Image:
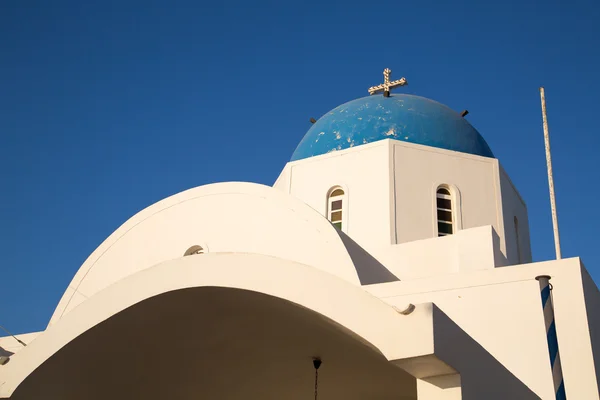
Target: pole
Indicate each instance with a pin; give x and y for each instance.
(14, 337)
(548, 307)
(550, 177)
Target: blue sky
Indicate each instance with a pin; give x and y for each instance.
(107, 107)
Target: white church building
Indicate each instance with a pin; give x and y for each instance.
(390, 260)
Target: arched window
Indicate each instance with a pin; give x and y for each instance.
(516, 221)
(195, 249)
(445, 219)
(335, 207)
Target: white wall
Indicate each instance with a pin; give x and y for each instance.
(391, 199)
(364, 174)
(9, 346)
(228, 217)
(391, 187)
(419, 170)
(508, 326)
(447, 387)
(501, 310)
(514, 206)
(467, 250)
(344, 307)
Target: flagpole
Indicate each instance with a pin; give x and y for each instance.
(550, 177)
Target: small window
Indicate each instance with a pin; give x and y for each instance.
(445, 217)
(337, 192)
(194, 250)
(335, 207)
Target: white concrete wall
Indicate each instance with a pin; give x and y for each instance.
(481, 375)
(426, 334)
(228, 217)
(467, 250)
(501, 309)
(391, 187)
(349, 308)
(514, 206)
(363, 173)
(9, 345)
(509, 327)
(447, 387)
(419, 170)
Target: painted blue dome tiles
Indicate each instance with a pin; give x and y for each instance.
(404, 117)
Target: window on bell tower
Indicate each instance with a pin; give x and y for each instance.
(517, 239)
(335, 206)
(445, 217)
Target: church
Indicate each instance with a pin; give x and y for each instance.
(391, 260)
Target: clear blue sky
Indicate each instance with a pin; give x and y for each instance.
(106, 108)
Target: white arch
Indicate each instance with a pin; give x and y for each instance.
(225, 217)
(343, 303)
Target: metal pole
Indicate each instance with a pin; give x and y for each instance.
(550, 178)
(548, 307)
(14, 337)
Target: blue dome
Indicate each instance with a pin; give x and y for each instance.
(404, 117)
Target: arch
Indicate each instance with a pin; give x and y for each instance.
(225, 332)
(347, 306)
(233, 217)
(337, 208)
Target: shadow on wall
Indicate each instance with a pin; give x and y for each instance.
(500, 259)
(481, 375)
(445, 381)
(592, 304)
(5, 353)
(369, 270)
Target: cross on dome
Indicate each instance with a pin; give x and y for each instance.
(387, 85)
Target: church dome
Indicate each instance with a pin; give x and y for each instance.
(404, 117)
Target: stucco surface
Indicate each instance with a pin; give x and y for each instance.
(226, 217)
(340, 321)
(390, 199)
(215, 343)
(501, 310)
(349, 308)
(514, 206)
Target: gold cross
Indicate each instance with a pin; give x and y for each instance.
(387, 85)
